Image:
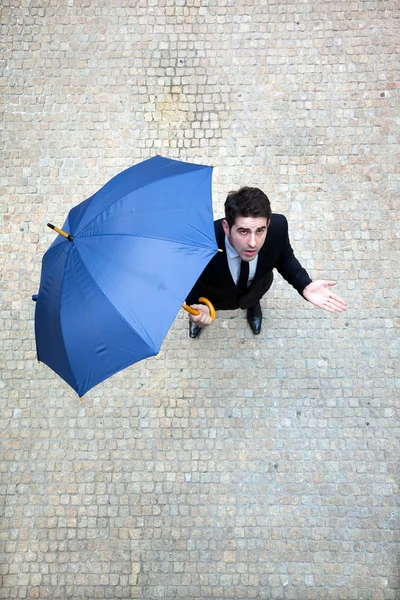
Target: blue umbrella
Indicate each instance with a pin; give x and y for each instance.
(115, 277)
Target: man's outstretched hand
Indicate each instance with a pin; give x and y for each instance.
(319, 294)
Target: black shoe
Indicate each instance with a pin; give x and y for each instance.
(254, 318)
(194, 330)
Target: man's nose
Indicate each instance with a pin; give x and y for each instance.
(252, 240)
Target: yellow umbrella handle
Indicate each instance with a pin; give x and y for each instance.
(202, 300)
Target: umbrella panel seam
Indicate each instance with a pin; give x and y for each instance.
(149, 237)
(61, 323)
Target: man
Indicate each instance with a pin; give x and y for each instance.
(255, 242)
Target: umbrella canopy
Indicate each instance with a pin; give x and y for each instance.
(109, 293)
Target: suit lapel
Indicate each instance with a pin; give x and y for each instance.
(223, 267)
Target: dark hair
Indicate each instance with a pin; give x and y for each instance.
(246, 202)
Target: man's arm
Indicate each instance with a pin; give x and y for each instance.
(317, 292)
(288, 265)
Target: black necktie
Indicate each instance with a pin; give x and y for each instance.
(243, 276)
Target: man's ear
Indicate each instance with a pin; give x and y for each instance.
(268, 222)
(225, 227)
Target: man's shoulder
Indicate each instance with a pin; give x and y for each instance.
(277, 233)
(278, 219)
(219, 231)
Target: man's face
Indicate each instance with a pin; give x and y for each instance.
(247, 235)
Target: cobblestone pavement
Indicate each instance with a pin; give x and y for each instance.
(233, 466)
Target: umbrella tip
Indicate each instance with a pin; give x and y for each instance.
(61, 232)
(80, 398)
(220, 250)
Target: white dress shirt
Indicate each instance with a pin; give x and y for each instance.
(234, 263)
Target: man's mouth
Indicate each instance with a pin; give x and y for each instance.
(250, 252)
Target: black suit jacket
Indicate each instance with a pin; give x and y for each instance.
(216, 283)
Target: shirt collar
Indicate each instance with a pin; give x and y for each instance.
(230, 249)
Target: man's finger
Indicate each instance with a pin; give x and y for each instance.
(202, 308)
(340, 300)
(335, 306)
(328, 308)
(329, 282)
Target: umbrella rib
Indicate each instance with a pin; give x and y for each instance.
(114, 307)
(141, 188)
(150, 237)
(61, 324)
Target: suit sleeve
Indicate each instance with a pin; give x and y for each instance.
(289, 267)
